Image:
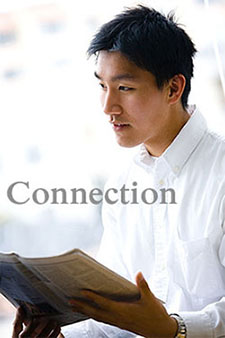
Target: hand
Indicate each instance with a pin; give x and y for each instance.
(36, 328)
(146, 317)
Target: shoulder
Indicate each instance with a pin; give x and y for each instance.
(215, 138)
(209, 157)
(214, 145)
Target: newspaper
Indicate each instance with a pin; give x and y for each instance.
(43, 286)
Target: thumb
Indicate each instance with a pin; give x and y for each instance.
(144, 288)
(142, 285)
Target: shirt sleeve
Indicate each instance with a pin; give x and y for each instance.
(210, 322)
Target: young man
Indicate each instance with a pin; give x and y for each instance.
(144, 68)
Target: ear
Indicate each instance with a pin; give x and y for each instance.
(176, 88)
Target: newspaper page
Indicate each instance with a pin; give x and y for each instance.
(43, 286)
(23, 288)
(73, 271)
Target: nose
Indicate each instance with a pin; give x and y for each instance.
(110, 103)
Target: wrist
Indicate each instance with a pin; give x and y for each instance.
(166, 328)
(173, 327)
(181, 327)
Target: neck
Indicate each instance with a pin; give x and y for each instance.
(175, 122)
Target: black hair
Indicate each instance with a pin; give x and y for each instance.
(152, 41)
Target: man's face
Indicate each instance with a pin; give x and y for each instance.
(138, 109)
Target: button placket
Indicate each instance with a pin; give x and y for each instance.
(160, 273)
(159, 213)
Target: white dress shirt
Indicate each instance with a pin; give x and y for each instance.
(179, 247)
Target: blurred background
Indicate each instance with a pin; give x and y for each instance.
(53, 133)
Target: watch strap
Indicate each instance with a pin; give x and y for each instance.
(182, 330)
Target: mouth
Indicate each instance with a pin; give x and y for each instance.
(119, 126)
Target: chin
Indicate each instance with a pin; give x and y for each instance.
(127, 143)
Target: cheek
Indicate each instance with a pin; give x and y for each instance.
(151, 109)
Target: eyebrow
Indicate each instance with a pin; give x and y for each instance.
(125, 76)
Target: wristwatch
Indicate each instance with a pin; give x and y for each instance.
(182, 330)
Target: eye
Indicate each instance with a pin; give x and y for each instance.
(102, 86)
(125, 89)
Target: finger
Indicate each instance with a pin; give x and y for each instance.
(18, 323)
(96, 298)
(46, 328)
(60, 335)
(27, 331)
(33, 329)
(109, 314)
(55, 333)
(103, 301)
(88, 309)
(84, 300)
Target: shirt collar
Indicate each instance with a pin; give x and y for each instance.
(182, 146)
